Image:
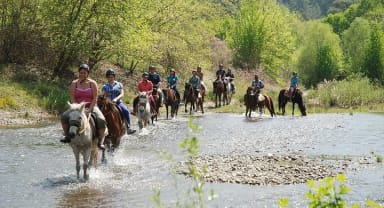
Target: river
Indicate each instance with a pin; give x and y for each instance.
(36, 170)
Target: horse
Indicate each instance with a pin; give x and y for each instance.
(263, 101)
(116, 123)
(144, 110)
(297, 97)
(84, 139)
(200, 99)
(170, 100)
(219, 91)
(189, 97)
(155, 106)
(227, 92)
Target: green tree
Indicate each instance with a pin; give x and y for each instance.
(20, 32)
(261, 36)
(374, 61)
(355, 42)
(320, 56)
(82, 30)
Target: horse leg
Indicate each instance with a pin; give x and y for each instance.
(77, 158)
(86, 158)
(185, 106)
(293, 108)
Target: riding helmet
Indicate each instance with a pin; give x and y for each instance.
(152, 67)
(110, 72)
(172, 70)
(145, 74)
(84, 66)
(294, 73)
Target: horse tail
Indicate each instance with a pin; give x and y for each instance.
(281, 99)
(272, 106)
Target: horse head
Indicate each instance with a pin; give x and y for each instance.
(143, 101)
(77, 119)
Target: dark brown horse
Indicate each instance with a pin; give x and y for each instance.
(189, 97)
(170, 100)
(116, 123)
(263, 101)
(219, 91)
(297, 97)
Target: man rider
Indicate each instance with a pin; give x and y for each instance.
(230, 76)
(257, 85)
(155, 78)
(220, 74)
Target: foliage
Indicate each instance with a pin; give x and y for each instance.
(355, 42)
(195, 195)
(261, 36)
(320, 56)
(373, 66)
(352, 92)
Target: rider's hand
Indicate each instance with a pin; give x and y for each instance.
(114, 100)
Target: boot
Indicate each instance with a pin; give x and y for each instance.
(65, 139)
(101, 146)
(130, 131)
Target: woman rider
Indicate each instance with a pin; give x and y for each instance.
(85, 90)
(172, 79)
(114, 90)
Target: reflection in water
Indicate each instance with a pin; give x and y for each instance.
(83, 197)
(36, 170)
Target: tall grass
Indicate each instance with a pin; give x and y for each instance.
(349, 93)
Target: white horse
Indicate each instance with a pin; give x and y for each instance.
(228, 91)
(144, 110)
(84, 140)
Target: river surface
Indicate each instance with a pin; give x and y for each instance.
(36, 170)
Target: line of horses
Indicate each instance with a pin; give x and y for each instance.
(84, 128)
(254, 102)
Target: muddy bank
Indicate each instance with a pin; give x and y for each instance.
(30, 118)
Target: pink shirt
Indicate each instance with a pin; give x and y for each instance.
(83, 95)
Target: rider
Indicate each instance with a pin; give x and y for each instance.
(195, 82)
(200, 74)
(172, 79)
(144, 86)
(230, 76)
(115, 91)
(85, 89)
(257, 85)
(293, 85)
(220, 74)
(155, 78)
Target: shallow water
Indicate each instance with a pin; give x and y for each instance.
(36, 170)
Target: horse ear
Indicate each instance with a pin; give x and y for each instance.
(82, 107)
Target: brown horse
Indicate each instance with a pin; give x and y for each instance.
(155, 106)
(297, 97)
(263, 101)
(219, 91)
(200, 99)
(116, 123)
(189, 97)
(170, 100)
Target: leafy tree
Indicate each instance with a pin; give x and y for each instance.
(20, 32)
(82, 30)
(374, 61)
(261, 36)
(355, 42)
(320, 56)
